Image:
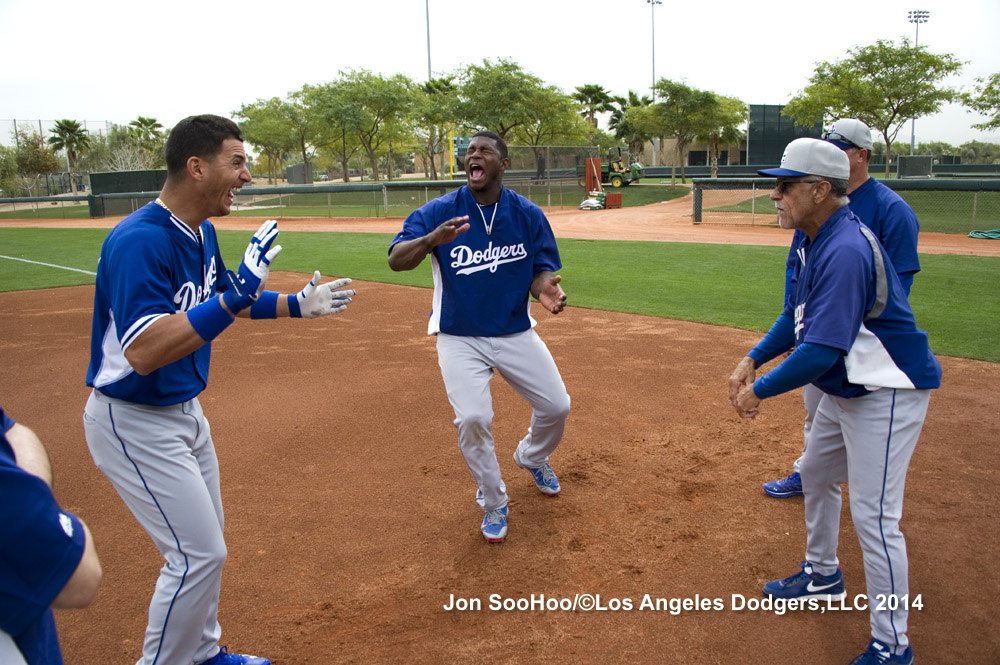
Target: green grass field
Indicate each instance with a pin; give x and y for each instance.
(938, 211)
(955, 298)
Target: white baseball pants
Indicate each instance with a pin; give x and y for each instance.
(162, 462)
(523, 360)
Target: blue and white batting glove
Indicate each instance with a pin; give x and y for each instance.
(312, 301)
(247, 285)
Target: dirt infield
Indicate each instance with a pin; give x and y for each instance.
(351, 521)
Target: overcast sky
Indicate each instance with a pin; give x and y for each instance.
(113, 60)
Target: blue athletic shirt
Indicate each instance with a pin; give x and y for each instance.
(40, 548)
(835, 287)
(893, 222)
(482, 281)
(152, 265)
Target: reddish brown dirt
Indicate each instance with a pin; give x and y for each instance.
(350, 516)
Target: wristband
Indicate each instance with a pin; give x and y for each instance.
(294, 310)
(266, 306)
(209, 319)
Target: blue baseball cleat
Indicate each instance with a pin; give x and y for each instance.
(807, 584)
(786, 487)
(879, 654)
(544, 476)
(226, 658)
(494, 526)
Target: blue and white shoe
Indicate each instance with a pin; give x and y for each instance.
(226, 658)
(494, 526)
(879, 654)
(786, 487)
(807, 584)
(545, 478)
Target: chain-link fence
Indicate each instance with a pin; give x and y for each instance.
(942, 205)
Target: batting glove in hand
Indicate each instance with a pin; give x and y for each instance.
(246, 286)
(319, 301)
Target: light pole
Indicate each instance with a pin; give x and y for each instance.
(427, 8)
(652, 26)
(916, 16)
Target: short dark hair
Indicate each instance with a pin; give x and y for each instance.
(501, 145)
(198, 136)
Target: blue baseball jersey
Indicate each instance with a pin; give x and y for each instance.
(892, 221)
(152, 265)
(835, 287)
(39, 552)
(482, 278)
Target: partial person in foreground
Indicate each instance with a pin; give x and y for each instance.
(47, 555)
(855, 338)
(491, 251)
(162, 295)
(892, 221)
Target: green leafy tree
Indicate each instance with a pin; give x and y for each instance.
(883, 85)
(333, 109)
(119, 149)
(980, 152)
(986, 101)
(594, 99)
(555, 123)
(936, 148)
(680, 112)
(435, 111)
(34, 157)
(497, 96)
(624, 129)
(71, 136)
(265, 125)
(9, 184)
(372, 108)
(720, 125)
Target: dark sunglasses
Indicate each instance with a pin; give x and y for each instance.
(783, 185)
(837, 136)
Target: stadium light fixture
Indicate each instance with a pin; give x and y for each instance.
(916, 16)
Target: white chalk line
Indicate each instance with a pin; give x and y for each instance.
(50, 265)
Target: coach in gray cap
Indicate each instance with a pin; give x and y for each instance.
(854, 337)
(892, 221)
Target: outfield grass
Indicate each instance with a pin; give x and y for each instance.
(955, 298)
(937, 211)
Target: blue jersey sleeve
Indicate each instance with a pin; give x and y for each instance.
(806, 364)
(141, 290)
(40, 549)
(780, 338)
(546, 251)
(838, 298)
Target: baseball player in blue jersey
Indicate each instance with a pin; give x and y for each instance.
(892, 221)
(491, 250)
(854, 338)
(162, 295)
(47, 556)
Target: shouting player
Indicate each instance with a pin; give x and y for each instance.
(491, 249)
(854, 338)
(162, 295)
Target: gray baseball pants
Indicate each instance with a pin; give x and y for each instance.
(866, 442)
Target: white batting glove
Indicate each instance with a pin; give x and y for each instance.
(316, 301)
(246, 285)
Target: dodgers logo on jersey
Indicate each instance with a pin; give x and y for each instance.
(485, 259)
(190, 295)
(800, 312)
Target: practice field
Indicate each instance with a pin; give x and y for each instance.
(351, 521)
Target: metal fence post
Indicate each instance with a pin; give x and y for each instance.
(696, 202)
(975, 205)
(753, 203)
(385, 200)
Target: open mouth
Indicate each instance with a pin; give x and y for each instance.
(476, 171)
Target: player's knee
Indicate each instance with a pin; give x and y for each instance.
(475, 422)
(557, 409)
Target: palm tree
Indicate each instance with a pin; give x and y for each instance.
(624, 129)
(73, 137)
(148, 131)
(594, 99)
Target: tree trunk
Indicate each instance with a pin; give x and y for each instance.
(714, 151)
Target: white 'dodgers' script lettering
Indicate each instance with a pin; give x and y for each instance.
(485, 259)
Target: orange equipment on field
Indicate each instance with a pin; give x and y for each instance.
(592, 167)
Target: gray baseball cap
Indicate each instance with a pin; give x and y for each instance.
(807, 156)
(849, 133)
